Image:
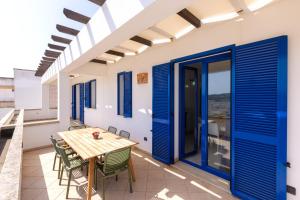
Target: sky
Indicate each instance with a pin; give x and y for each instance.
(27, 26)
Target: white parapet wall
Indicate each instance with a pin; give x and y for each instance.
(28, 90)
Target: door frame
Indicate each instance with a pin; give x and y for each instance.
(208, 56)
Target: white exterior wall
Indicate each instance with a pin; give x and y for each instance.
(278, 19)
(28, 90)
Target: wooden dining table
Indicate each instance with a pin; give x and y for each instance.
(88, 148)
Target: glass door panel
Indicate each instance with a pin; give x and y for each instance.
(192, 115)
(218, 112)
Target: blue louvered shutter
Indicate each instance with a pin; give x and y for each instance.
(74, 102)
(81, 116)
(259, 135)
(87, 91)
(128, 94)
(162, 117)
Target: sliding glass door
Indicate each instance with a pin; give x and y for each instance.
(205, 93)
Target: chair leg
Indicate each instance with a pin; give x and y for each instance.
(59, 167)
(61, 175)
(54, 162)
(130, 180)
(103, 189)
(68, 187)
(117, 178)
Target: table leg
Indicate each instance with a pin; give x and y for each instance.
(130, 165)
(90, 177)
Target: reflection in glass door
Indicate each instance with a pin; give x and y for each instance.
(192, 136)
(218, 122)
(205, 117)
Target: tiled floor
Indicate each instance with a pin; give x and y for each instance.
(154, 181)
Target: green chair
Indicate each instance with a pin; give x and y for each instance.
(124, 134)
(68, 150)
(69, 164)
(114, 163)
(112, 129)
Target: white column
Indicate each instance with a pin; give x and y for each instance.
(63, 103)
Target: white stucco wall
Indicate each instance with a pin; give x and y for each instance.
(28, 89)
(278, 19)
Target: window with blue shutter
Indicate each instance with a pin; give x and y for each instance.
(87, 94)
(90, 94)
(259, 120)
(74, 102)
(163, 109)
(81, 103)
(125, 94)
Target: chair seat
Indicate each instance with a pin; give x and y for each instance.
(111, 172)
(77, 162)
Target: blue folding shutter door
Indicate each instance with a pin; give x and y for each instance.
(87, 94)
(74, 102)
(81, 85)
(162, 117)
(259, 135)
(128, 94)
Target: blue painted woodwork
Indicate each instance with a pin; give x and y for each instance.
(73, 102)
(81, 102)
(259, 111)
(87, 94)
(163, 113)
(128, 94)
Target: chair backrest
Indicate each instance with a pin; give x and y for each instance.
(54, 143)
(124, 134)
(116, 160)
(76, 127)
(112, 129)
(63, 155)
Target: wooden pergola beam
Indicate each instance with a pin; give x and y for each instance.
(60, 39)
(189, 17)
(67, 30)
(48, 59)
(99, 61)
(46, 62)
(141, 40)
(76, 16)
(115, 53)
(52, 54)
(98, 2)
(56, 47)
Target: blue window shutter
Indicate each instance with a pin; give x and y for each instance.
(81, 86)
(74, 102)
(87, 94)
(163, 109)
(259, 135)
(128, 94)
(118, 93)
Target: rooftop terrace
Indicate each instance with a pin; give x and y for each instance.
(154, 181)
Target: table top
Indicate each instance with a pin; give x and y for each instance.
(83, 143)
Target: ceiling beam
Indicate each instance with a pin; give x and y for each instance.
(98, 2)
(60, 39)
(76, 16)
(53, 54)
(46, 63)
(99, 61)
(56, 47)
(67, 30)
(189, 17)
(141, 40)
(48, 59)
(115, 53)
